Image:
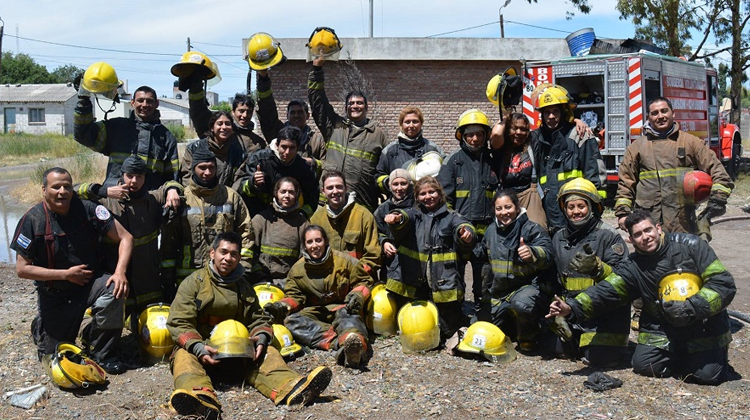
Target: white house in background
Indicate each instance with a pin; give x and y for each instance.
(37, 109)
(175, 111)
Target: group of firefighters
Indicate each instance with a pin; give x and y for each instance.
(327, 235)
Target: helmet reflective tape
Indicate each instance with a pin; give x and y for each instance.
(679, 286)
(263, 51)
(489, 341)
(381, 311)
(231, 339)
(284, 342)
(194, 60)
(154, 339)
(268, 293)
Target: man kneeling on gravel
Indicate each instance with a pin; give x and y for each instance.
(213, 294)
(684, 326)
(57, 245)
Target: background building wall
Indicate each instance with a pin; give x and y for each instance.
(441, 89)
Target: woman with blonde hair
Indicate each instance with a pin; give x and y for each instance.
(430, 240)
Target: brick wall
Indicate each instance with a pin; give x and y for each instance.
(442, 90)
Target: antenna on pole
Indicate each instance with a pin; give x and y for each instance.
(371, 18)
(502, 22)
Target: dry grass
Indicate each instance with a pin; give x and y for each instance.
(83, 168)
(21, 148)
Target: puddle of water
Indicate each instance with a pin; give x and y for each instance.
(9, 217)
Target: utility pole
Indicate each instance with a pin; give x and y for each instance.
(2, 26)
(188, 44)
(371, 17)
(502, 25)
(502, 22)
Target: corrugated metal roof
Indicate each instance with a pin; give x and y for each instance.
(54, 93)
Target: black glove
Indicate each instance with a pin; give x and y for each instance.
(714, 208)
(679, 313)
(354, 302)
(277, 310)
(77, 81)
(587, 262)
(192, 82)
(600, 382)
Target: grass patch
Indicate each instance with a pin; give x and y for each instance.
(21, 148)
(741, 193)
(82, 167)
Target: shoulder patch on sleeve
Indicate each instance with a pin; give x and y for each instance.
(618, 249)
(23, 241)
(102, 213)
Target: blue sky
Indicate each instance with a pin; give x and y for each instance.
(156, 32)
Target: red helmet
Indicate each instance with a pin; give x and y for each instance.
(697, 186)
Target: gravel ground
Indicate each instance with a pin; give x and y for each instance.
(395, 385)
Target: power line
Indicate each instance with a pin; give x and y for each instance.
(214, 45)
(93, 48)
(534, 26)
(464, 29)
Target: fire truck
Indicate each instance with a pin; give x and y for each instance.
(612, 92)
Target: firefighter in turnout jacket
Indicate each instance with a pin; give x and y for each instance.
(278, 233)
(652, 172)
(684, 326)
(210, 208)
(350, 227)
(586, 251)
(325, 293)
(561, 153)
(431, 240)
(353, 143)
(217, 303)
(141, 213)
(469, 183)
(312, 146)
(515, 276)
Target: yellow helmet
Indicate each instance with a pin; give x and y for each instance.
(505, 89)
(549, 94)
(154, 339)
(284, 341)
(489, 341)
(419, 326)
(381, 311)
(231, 339)
(268, 293)
(263, 52)
(194, 60)
(582, 187)
(323, 42)
(679, 286)
(472, 116)
(71, 368)
(100, 78)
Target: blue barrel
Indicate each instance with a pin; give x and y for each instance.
(580, 41)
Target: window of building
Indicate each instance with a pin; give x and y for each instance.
(36, 115)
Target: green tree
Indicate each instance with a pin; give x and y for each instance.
(66, 73)
(731, 26)
(222, 106)
(21, 68)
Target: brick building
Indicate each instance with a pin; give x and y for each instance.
(442, 76)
